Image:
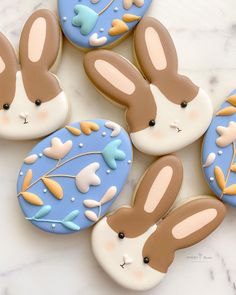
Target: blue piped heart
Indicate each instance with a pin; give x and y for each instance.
(111, 153)
(86, 19)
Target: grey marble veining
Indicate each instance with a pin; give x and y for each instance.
(33, 262)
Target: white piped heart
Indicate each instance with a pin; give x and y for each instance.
(94, 40)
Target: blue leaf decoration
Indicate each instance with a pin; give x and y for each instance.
(71, 225)
(71, 216)
(43, 212)
(111, 153)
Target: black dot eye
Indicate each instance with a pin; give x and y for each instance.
(184, 104)
(152, 123)
(146, 260)
(121, 235)
(38, 102)
(6, 106)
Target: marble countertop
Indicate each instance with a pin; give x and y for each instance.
(33, 262)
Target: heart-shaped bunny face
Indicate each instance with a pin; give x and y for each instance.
(29, 92)
(164, 109)
(136, 245)
(94, 24)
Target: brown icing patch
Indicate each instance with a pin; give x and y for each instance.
(128, 88)
(184, 227)
(38, 81)
(136, 220)
(8, 69)
(160, 66)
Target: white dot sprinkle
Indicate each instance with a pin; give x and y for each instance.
(72, 199)
(40, 155)
(45, 190)
(212, 179)
(102, 30)
(116, 9)
(220, 153)
(129, 162)
(64, 19)
(21, 173)
(81, 145)
(104, 134)
(53, 225)
(108, 171)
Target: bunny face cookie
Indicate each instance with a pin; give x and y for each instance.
(165, 110)
(134, 246)
(29, 92)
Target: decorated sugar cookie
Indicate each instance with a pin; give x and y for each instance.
(219, 152)
(134, 246)
(92, 24)
(29, 91)
(166, 111)
(71, 178)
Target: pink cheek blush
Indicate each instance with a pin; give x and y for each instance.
(158, 134)
(110, 245)
(42, 115)
(138, 275)
(194, 115)
(5, 120)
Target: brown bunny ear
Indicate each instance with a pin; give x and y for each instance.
(184, 227)
(40, 46)
(157, 58)
(8, 69)
(155, 195)
(121, 82)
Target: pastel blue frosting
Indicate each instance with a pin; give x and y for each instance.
(115, 159)
(73, 12)
(223, 155)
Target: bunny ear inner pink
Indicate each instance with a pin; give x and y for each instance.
(40, 46)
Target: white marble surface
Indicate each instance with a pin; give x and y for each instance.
(33, 262)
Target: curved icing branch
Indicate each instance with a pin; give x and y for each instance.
(229, 170)
(106, 7)
(57, 167)
(43, 220)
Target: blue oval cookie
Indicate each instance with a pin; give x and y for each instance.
(96, 23)
(71, 178)
(219, 152)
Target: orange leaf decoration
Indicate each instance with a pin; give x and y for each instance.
(27, 180)
(233, 168)
(128, 18)
(232, 100)
(220, 178)
(227, 111)
(88, 127)
(73, 130)
(231, 190)
(54, 187)
(32, 199)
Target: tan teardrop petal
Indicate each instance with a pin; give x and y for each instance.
(32, 199)
(27, 180)
(227, 111)
(232, 100)
(220, 178)
(231, 190)
(31, 159)
(128, 18)
(73, 130)
(54, 187)
(91, 215)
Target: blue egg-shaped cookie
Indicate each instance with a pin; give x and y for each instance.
(70, 179)
(99, 23)
(219, 152)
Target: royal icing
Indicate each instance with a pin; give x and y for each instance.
(219, 154)
(164, 91)
(134, 246)
(29, 91)
(63, 185)
(94, 24)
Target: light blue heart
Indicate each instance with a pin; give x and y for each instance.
(86, 19)
(111, 154)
